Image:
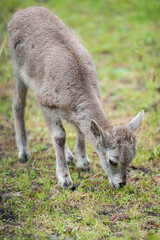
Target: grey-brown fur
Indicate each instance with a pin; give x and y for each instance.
(50, 59)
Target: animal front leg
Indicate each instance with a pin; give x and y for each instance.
(58, 136)
(81, 153)
(62, 170)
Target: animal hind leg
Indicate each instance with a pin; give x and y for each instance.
(19, 112)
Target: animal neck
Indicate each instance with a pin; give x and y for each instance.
(91, 111)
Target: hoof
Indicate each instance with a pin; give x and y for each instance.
(73, 188)
(23, 158)
(68, 185)
(65, 180)
(69, 160)
(84, 166)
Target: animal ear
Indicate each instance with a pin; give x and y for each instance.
(134, 124)
(97, 131)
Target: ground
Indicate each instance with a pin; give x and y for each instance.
(123, 38)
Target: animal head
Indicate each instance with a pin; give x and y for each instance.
(116, 149)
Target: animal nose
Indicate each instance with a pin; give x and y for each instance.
(122, 184)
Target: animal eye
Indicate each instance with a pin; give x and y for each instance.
(112, 163)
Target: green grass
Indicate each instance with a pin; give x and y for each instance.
(123, 38)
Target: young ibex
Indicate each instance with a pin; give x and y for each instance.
(49, 59)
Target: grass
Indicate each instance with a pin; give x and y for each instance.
(123, 38)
